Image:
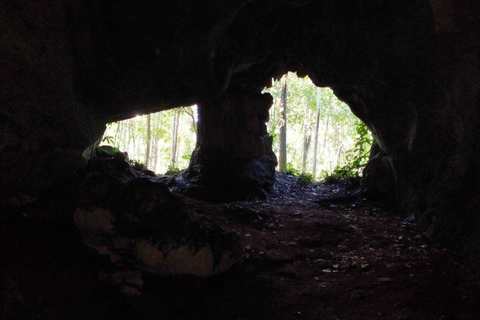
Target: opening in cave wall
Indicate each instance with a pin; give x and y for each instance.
(343, 142)
(164, 148)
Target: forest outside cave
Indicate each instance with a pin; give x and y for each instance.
(164, 141)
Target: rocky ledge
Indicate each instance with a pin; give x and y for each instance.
(131, 217)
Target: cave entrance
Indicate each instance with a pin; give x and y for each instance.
(343, 141)
(162, 142)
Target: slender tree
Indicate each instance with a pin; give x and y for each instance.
(148, 138)
(131, 125)
(282, 149)
(124, 136)
(117, 134)
(155, 154)
(317, 124)
(307, 137)
(191, 114)
(176, 121)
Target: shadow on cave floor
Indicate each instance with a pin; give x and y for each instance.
(313, 252)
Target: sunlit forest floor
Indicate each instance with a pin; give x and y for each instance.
(313, 252)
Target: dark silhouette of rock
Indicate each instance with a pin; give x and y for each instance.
(233, 159)
(133, 219)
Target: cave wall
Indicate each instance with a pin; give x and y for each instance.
(424, 115)
(44, 126)
(68, 68)
(408, 69)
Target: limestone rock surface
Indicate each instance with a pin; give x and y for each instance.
(135, 221)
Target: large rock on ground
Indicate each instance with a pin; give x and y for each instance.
(378, 179)
(134, 220)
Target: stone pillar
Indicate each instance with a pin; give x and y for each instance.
(233, 158)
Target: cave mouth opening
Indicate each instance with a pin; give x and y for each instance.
(337, 145)
(323, 138)
(162, 142)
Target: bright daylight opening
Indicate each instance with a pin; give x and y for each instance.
(164, 141)
(316, 116)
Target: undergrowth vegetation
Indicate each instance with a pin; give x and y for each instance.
(356, 157)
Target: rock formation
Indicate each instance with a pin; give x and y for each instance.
(233, 158)
(409, 69)
(133, 219)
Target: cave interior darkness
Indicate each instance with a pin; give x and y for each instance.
(408, 69)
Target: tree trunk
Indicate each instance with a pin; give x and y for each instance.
(317, 124)
(136, 153)
(191, 114)
(147, 150)
(326, 133)
(124, 137)
(127, 131)
(282, 149)
(306, 146)
(176, 118)
(155, 154)
(338, 155)
(116, 142)
(132, 135)
(307, 138)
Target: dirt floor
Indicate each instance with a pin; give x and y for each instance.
(313, 252)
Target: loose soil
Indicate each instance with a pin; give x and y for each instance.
(313, 252)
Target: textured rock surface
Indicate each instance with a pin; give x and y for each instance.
(409, 69)
(143, 228)
(233, 158)
(378, 178)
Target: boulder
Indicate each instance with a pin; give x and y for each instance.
(144, 229)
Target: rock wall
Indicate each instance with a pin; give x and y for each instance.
(424, 115)
(233, 158)
(44, 125)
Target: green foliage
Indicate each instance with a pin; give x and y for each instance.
(172, 170)
(290, 169)
(107, 149)
(108, 139)
(305, 178)
(357, 157)
(137, 165)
